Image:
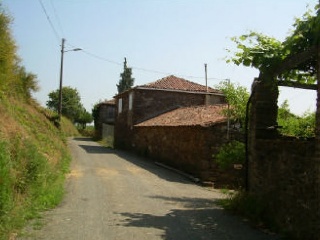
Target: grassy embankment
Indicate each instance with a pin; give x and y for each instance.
(33, 162)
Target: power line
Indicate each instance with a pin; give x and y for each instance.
(57, 17)
(49, 20)
(101, 58)
(108, 60)
(143, 69)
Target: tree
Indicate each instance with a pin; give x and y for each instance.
(95, 114)
(71, 102)
(297, 126)
(8, 57)
(28, 83)
(237, 97)
(15, 80)
(284, 111)
(126, 81)
(83, 118)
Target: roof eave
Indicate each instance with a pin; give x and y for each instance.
(203, 124)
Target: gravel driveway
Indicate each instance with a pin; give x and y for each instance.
(113, 195)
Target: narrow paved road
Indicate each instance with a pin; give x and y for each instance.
(115, 195)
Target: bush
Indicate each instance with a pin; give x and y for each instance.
(230, 153)
(108, 142)
(296, 126)
(250, 207)
(89, 131)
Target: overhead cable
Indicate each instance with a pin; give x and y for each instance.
(108, 60)
(57, 17)
(143, 69)
(49, 20)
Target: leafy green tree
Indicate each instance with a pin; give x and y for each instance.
(126, 81)
(95, 115)
(15, 80)
(307, 125)
(237, 97)
(71, 102)
(28, 83)
(296, 126)
(8, 57)
(84, 118)
(284, 111)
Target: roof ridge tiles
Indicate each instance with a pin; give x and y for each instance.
(172, 82)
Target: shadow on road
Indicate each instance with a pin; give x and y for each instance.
(145, 163)
(84, 139)
(198, 219)
(96, 149)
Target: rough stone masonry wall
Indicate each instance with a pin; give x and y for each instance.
(283, 178)
(283, 172)
(150, 103)
(187, 148)
(122, 130)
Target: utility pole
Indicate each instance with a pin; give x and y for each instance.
(206, 76)
(60, 85)
(61, 76)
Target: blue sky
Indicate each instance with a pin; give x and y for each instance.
(158, 38)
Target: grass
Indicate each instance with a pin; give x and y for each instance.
(33, 162)
(89, 131)
(250, 207)
(107, 142)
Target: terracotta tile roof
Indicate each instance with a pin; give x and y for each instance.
(175, 83)
(189, 116)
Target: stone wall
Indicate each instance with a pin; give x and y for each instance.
(189, 149)
(282, 176)
(147, 103)
(107, 131)
(283, 173)
(150, 103)
(122, 131)
(106, 115)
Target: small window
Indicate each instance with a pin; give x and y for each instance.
(119, 105)
(130, 100)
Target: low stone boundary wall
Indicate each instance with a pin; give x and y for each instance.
(284, 175)
(189, 149)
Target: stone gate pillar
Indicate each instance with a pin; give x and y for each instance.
(262, 125)
(264, 109)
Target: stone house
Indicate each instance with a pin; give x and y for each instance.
(176, 122)
(186, 139)
(104, 123)
(144, 102)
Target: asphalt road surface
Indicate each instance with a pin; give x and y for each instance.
(116, 195)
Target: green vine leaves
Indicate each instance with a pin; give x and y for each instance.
(293, 60)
